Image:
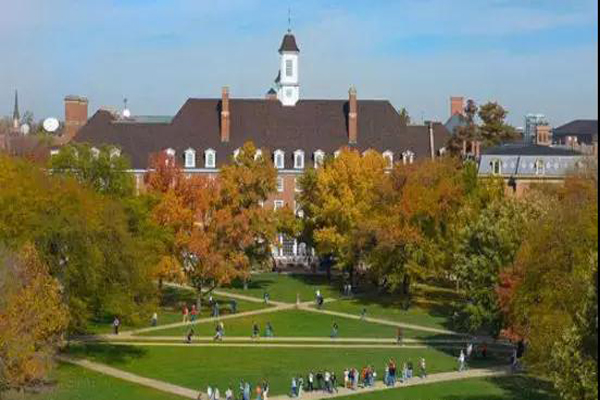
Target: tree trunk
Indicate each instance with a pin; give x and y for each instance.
(199, 299)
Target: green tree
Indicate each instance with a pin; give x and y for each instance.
(104, 169)
(494, 129)
(404, 116)
(466, 133)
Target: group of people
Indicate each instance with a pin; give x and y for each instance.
(393, 374)
(245, 392)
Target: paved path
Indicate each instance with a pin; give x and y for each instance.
(436, 378)
(209, 319)
(193, 394)
(127, 376)
(384, 322)
(278, 339)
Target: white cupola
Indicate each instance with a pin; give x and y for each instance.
(288, 84)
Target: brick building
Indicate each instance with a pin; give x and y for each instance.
(295, 133)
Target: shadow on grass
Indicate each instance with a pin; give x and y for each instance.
(106, 353)
(516, 387)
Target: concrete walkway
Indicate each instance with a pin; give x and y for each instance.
(435, 378)
(279, 339)
(383, 322)
(127, 376)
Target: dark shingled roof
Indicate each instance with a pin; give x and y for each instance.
(577, 127)
(289, 43)
(529, 150)
(311, 125)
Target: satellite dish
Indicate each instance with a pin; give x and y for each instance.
(126, 113)
(25, 129)
(51, 125)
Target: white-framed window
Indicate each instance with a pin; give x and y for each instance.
(388, 156)
(280, 184)
(289, 68)
(299, 159)
(210, 158)
(408, 157)
(496, 166)
(540, 167)
(277, 204)
(279, 159)
(258, 154)
(236, 154)
(170, 152)
(298, 211)
(114, 152)
(337, 153)
(170, 156)
(95, 152)
(319, 158)
(190, 158)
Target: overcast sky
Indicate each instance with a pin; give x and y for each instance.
(530, 55)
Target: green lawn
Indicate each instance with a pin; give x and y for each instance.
(389, 308)
(297, 323)
(75, 383)
(283, 287)
(170, 311)
(504, 388)
(197, 367)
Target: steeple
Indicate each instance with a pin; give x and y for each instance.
(288, 84)
(16, 115)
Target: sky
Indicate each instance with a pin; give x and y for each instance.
(531, 56)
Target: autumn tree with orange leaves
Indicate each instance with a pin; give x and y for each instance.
(218, 225)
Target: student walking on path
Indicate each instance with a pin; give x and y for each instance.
(116, 325)
(423, 369)
(461, 361)
(185, 312)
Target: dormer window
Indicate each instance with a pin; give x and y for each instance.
(319, 158)
(540, 168)
(170, 152)
(258, 154)
(236, 154)
(210, 157)
(336, 153)
(496, 166)
(279, 159)
(388, 156)
(190, 158)
(299, 159)
(95, 152)
(114, 152)
(408, 157)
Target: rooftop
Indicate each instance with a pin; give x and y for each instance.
(519, 149)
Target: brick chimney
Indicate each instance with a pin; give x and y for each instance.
(352, 117)
(225, 116)
(457, 105)
(76, 116)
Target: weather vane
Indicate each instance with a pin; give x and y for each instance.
(289, 19)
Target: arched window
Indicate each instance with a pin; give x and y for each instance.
(95, 152)
(299, 159)
(114, 152)
(496, 166)
(258, 154)
(319, 158)
(190, 158)
(210, 158)
(279, 159)
(388, 156)
(408, 157)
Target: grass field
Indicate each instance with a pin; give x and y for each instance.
(283, 287)
(504, 388)
(170, 310)
(297, 323)
(195, 367)
(75, 383)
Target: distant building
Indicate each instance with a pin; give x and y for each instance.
(521, 165)
(532, 121)
(580, 131)
(457, 117)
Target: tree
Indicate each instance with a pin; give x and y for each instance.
(91, 244)
(495, 130)
(467, 133)
(32, 318)
(104, 169)
(336, 198)
(219, 227)
(546, 296)
(404, 116)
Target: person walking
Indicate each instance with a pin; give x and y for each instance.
(300, 386)
(266, 297)
(190, 334)
(461, 361)
(327, 379)
(154, 320)
(265, 390)
(410, 367)
(334, 383)
(346, 377)
(209, 393)
(334, 330)
(311, 382)
(469, 351)
(233, 307)
(116, 325)
(193, 314)
(363, 314)
(229, 394)
(269, 330)
(185, 313)
(259, 392)
(294, 387)
(247, 391)
(423, 369)
(217, 394)
(255, 330)
(400, 336)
